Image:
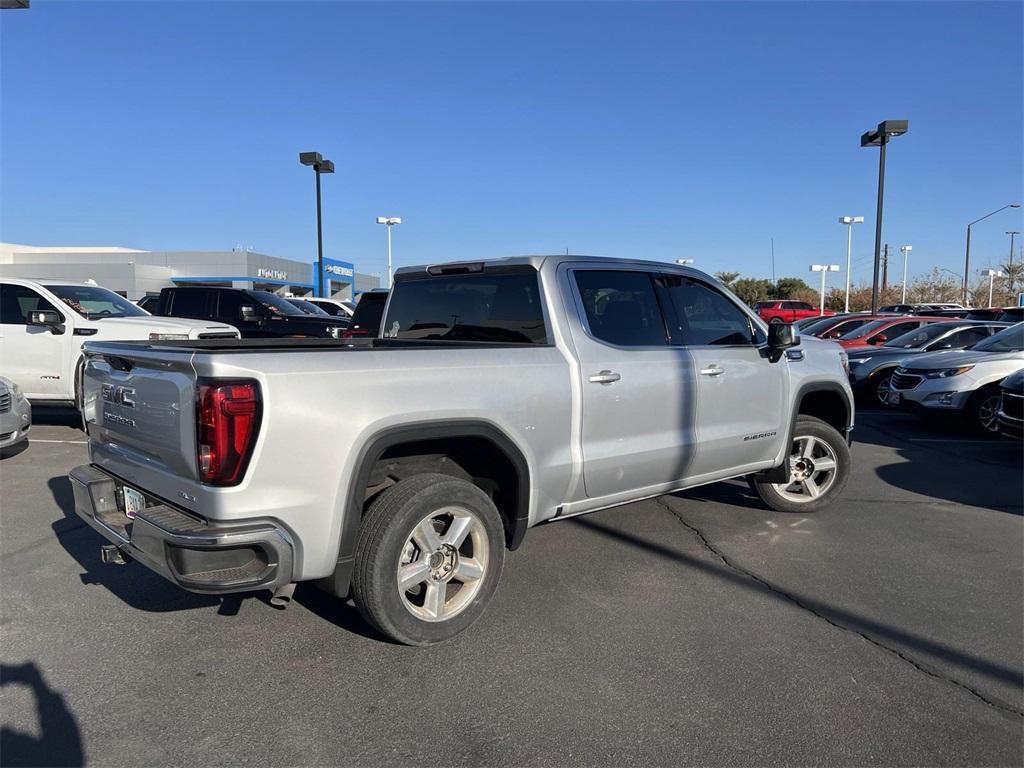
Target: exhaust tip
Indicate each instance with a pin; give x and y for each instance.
(282, 596)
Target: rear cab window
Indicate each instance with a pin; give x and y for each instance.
(485, 306)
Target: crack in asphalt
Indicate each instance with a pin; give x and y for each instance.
(919, 666)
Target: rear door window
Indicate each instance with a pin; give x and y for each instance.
(190, 302)
(621, 307)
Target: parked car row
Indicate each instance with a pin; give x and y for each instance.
(44, 323)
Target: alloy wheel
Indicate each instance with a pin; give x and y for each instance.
(443, 564)
(812, 470)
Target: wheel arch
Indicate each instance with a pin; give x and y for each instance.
(825, 400)
(439, 438)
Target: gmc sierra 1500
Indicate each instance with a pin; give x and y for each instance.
(500, 394)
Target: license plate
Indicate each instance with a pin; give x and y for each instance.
(134, 502)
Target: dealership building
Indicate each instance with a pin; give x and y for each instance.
(135, 273)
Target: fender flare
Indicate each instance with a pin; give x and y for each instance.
(373, 448)
(780, 473)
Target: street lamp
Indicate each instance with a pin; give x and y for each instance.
(991, 274)
(684, 262)
(905, 250)
(849, 221)
(823, 268)
(879, 138)
(389, 221)
(967, 257)
(320, 165)
(1009, 265)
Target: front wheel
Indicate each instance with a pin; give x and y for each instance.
(819, 467)
(429, 557)
(775, 320)
(983, 411)
(881, 389)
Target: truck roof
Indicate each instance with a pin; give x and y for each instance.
(538, 260)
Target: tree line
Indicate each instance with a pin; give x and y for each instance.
(935, 287)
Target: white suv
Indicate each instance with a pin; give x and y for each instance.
(964, 382)
(43, 325)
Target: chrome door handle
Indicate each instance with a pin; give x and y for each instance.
(714, 370)
(604, 377)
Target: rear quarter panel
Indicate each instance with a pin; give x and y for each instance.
(320, 408)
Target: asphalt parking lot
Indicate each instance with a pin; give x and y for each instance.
(699, 628)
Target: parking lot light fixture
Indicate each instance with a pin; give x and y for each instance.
(967, 255)
(879, 137)
(316, 160)
(823, 268)
(905, 249)
(684, 262)
(991, 274)
(389, 222)
(849, 221)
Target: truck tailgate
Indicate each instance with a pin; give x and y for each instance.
(139, 408)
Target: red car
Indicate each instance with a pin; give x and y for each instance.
(787, 311)
(886, 328)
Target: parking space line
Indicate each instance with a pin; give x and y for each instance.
(949, 440)
(65, 442)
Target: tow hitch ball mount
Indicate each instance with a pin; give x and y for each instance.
(112, 554)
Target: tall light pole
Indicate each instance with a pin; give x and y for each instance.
(823, 268)
(991, 274)
(880, 138)
(905, 249)
(849, 221)
(320, 165)
(967, 257)
(1010, 275)
(389, 221)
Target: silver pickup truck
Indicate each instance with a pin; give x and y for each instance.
(499, 395)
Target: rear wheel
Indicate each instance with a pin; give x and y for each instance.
(983, 411)
(819, 467)
(429, 557)
(775, 320)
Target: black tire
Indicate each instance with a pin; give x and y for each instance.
(982, 409)
(825, 435)
(775, 320)
(384, 541)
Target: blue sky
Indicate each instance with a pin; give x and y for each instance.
(663, 130)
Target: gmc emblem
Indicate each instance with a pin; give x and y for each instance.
(119, 395)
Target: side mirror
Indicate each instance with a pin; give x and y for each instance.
(781, 336)
(46, 318)
(943, 345)
(249, 312)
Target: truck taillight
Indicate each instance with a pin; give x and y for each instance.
(227, 422)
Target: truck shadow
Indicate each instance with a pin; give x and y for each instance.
(132, 583)
(949, 466)
(876, 631)
(59, 741)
